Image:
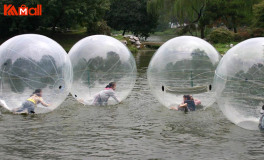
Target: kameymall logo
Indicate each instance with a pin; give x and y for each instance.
(10, 10)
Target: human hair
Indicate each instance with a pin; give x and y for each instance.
(37, 92)
(188, 97)
(111, 85)
(263, 107)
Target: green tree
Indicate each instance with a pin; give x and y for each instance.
(66, 13)
(232, 13)
(131, 15)
(60, 13)
(56, 13)
(92, 13)
(188, 12)
(258, 11)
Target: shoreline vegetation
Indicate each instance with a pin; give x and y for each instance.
(67, 40)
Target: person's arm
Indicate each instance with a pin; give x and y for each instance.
(43, 103)
(114, 97)
(183, 105)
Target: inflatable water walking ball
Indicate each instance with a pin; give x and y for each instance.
(239, 83)
(97, 61)
(183, 66)
(29, 62)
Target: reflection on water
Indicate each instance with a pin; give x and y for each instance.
(140, 128)
(156, 38)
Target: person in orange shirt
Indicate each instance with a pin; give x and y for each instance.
(29, 105)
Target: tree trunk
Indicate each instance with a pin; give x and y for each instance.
(202, 32)
(124, 32)
(53, 28)
(235, 29)
(234, 24)
(190, 32)
(55, 22)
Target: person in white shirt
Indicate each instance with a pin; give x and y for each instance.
(101, 98)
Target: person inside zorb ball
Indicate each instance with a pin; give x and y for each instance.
(29, 105)
(35, 74)
(101, 98)
(181, 73)
(239, 83)
(104, 70)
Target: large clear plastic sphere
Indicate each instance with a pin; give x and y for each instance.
(239, 82)
(183, 66)
(97, 61)
(29, 62)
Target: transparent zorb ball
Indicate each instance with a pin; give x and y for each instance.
(183, 66)
(29, 62)
(239, 83)
(97, 61)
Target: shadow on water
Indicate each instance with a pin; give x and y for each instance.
(140, 128)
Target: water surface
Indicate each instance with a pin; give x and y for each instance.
(140, 128)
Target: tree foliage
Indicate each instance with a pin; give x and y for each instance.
(232, 13)
(131, 15)
(221, 35)
(92, 14)
(188, 12)
(59, 13)
(258, 11)
(56, 13)
(138, 16)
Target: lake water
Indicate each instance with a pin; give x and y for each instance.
(140, 128)
(159, 38)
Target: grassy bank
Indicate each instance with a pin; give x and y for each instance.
(223, 48)
(131, 47)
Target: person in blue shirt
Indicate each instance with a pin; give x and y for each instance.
(188, 104)
(261, 121)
